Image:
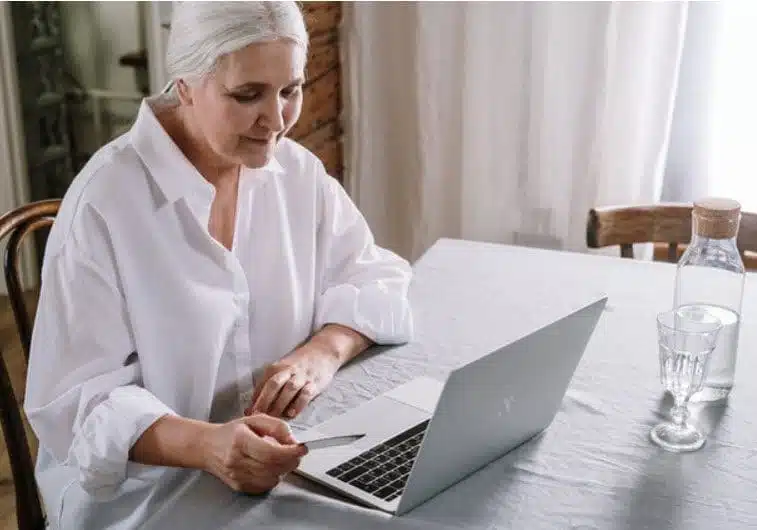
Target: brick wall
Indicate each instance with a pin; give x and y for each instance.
(319, 128)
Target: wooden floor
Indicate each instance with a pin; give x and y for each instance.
(14, 360)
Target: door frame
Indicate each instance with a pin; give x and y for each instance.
(14, 185)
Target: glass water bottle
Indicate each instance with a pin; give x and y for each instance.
(710, 277)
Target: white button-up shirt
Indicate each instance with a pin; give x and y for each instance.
(139, 305)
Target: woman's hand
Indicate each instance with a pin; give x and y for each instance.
(288, 385)
(251, 454)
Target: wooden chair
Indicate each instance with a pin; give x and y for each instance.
(16, 225)
(668, 224)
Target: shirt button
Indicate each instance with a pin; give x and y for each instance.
(240, 301)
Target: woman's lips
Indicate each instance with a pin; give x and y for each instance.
(259, 141)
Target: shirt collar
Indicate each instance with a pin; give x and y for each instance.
(173, 173)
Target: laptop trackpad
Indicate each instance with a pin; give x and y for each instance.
(422, 393)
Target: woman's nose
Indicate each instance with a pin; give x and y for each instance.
(272, 115)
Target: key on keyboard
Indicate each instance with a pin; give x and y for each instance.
(383, 470)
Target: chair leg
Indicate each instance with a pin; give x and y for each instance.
(16, 292)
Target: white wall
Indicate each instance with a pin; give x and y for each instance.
(156, 37)
(96, 35)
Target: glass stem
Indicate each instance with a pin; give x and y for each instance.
(680, 412)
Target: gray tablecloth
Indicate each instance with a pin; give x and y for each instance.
(593, 468)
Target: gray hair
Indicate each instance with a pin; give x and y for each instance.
(202, 32)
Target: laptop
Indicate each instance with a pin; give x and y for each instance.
(424, 436)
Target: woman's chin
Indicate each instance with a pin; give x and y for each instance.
(256, 160)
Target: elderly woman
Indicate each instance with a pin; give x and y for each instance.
(198, 249)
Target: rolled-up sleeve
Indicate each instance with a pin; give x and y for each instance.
(363, 286)
(84, 396)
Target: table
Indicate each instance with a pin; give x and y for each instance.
(594, 468)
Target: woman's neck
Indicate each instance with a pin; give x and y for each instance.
(212, 167)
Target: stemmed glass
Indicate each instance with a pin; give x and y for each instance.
(686, 338)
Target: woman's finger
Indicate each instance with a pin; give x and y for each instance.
(254, 467)
(263, 425)
(253, 481)
(305, 396)
(287, 395)
(270, 391)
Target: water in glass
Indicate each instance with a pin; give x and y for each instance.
(721, 370)
(682, 372)
(686, 338)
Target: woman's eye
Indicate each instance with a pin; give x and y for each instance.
(289, 92)
(245, 98)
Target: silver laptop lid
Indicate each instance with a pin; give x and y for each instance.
(497, 402)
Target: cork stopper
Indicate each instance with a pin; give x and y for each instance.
(716, 218)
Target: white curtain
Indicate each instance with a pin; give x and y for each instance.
(506, 121)
(713, 140)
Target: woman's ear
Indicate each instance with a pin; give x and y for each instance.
(184, 92)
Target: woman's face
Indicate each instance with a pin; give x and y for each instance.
(249, 102)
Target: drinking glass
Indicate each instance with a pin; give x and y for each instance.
(686, 338)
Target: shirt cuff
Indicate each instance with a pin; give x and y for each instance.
(100, 448)
(373, 310)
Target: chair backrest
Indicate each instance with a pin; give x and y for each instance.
(659, 223)
(16, 225)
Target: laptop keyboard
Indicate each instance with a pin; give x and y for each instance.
(382, 471)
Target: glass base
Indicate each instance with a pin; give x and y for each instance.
(709, 394)
(677, 439)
